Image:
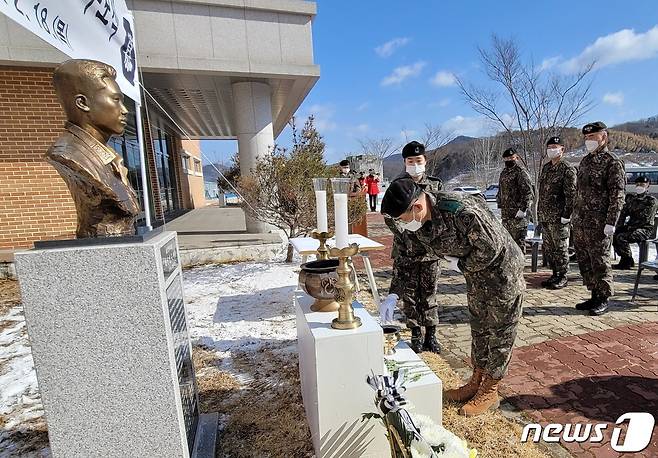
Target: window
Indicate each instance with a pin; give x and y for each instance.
(197, 166)
(186, 162)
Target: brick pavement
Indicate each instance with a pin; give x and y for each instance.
(559, 346)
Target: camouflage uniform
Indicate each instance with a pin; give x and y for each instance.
(557, 190)
(641, 210)
(415, 271)
(599, 199)
(463, 226)
(515, 193)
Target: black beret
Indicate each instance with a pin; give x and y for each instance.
(642, 179)
(413, 149)
(554, 141)
(344, 163)
(399, 196)
(509, 152)
(592, 127)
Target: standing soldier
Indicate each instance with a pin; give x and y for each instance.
(451, 224)
(599, 200)
(557, 189)
(514, 197)
(640, 209)
(415, 270)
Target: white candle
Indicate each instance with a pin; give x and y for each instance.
(340, 207)
(321, 210)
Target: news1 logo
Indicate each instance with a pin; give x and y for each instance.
(638, 433)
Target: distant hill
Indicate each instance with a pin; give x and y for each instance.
(647, 127)
(209, 172)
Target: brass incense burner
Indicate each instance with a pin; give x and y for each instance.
(323, 251)
(344, 289)
(391, 338)
(318, 279)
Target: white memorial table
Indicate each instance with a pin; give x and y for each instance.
(333, 366)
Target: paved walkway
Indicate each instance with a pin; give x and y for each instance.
(567, 365)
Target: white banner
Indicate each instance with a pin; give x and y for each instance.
(84, 29)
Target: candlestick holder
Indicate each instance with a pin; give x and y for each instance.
(345, 289)
(323, 251)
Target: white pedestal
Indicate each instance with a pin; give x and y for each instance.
(333, 366)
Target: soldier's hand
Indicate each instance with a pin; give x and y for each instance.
(565, 220)
(387, 307)
(609, 229)
(520, 214)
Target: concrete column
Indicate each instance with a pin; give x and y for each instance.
(253, 116)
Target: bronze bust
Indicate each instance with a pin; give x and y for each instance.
(105, 201)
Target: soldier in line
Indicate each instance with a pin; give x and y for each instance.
(640, 209)
(451, 224)
(415, 269)
(557, 190)
(599, 199)
(515, 195)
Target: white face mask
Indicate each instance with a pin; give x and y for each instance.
(413, 225)
(640, 189)
(552, 153)
(416, 170)
(591, 145)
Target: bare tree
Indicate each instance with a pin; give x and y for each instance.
(484, 160)
(434, 137)
(378, 147)
(528, 102)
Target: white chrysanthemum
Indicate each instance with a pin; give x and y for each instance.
(436, 435)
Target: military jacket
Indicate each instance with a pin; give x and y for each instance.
(515, 191)
(600, 186)
(402, 244)
(557, 191)
(640, 210)
(462, 226)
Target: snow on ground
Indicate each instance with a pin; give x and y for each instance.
(241, 306)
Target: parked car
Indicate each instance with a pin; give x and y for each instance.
(468, 190)
(491, 192)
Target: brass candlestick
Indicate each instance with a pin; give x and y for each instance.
(345, 289)
(323, 251)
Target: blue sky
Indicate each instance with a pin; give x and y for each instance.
(386, 67)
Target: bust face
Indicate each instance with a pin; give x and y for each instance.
(106, 109)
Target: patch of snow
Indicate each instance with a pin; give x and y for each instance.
(19, 395)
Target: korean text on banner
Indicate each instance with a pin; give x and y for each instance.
(84, 29)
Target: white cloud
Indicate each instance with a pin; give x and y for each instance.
(622, 46)
(549, 63)
(402, 73)
(407, 134)
(323, 115)
(473, 126)
(363, 106)
(388, 48)
(613, 98)
(444, 79)
(444, 102)
(362, 128)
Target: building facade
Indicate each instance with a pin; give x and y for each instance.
(217, 69)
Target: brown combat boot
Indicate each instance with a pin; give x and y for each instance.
(485, 399)
(466, 392)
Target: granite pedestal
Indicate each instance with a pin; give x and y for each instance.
(333, 366)
(108, 331)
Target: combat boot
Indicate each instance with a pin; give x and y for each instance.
(600, 306)
(431, 344)
(416, 339)
(625, 263)
(466, 392)
(550, 280)
(560, 282)
(485, 399)
(586, 305)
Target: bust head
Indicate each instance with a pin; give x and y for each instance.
(90, 96)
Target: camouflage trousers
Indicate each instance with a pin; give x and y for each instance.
(518, 229)
(624, 236)
(415, 282)
(556, 246)
(593, 254)
(494, 321)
